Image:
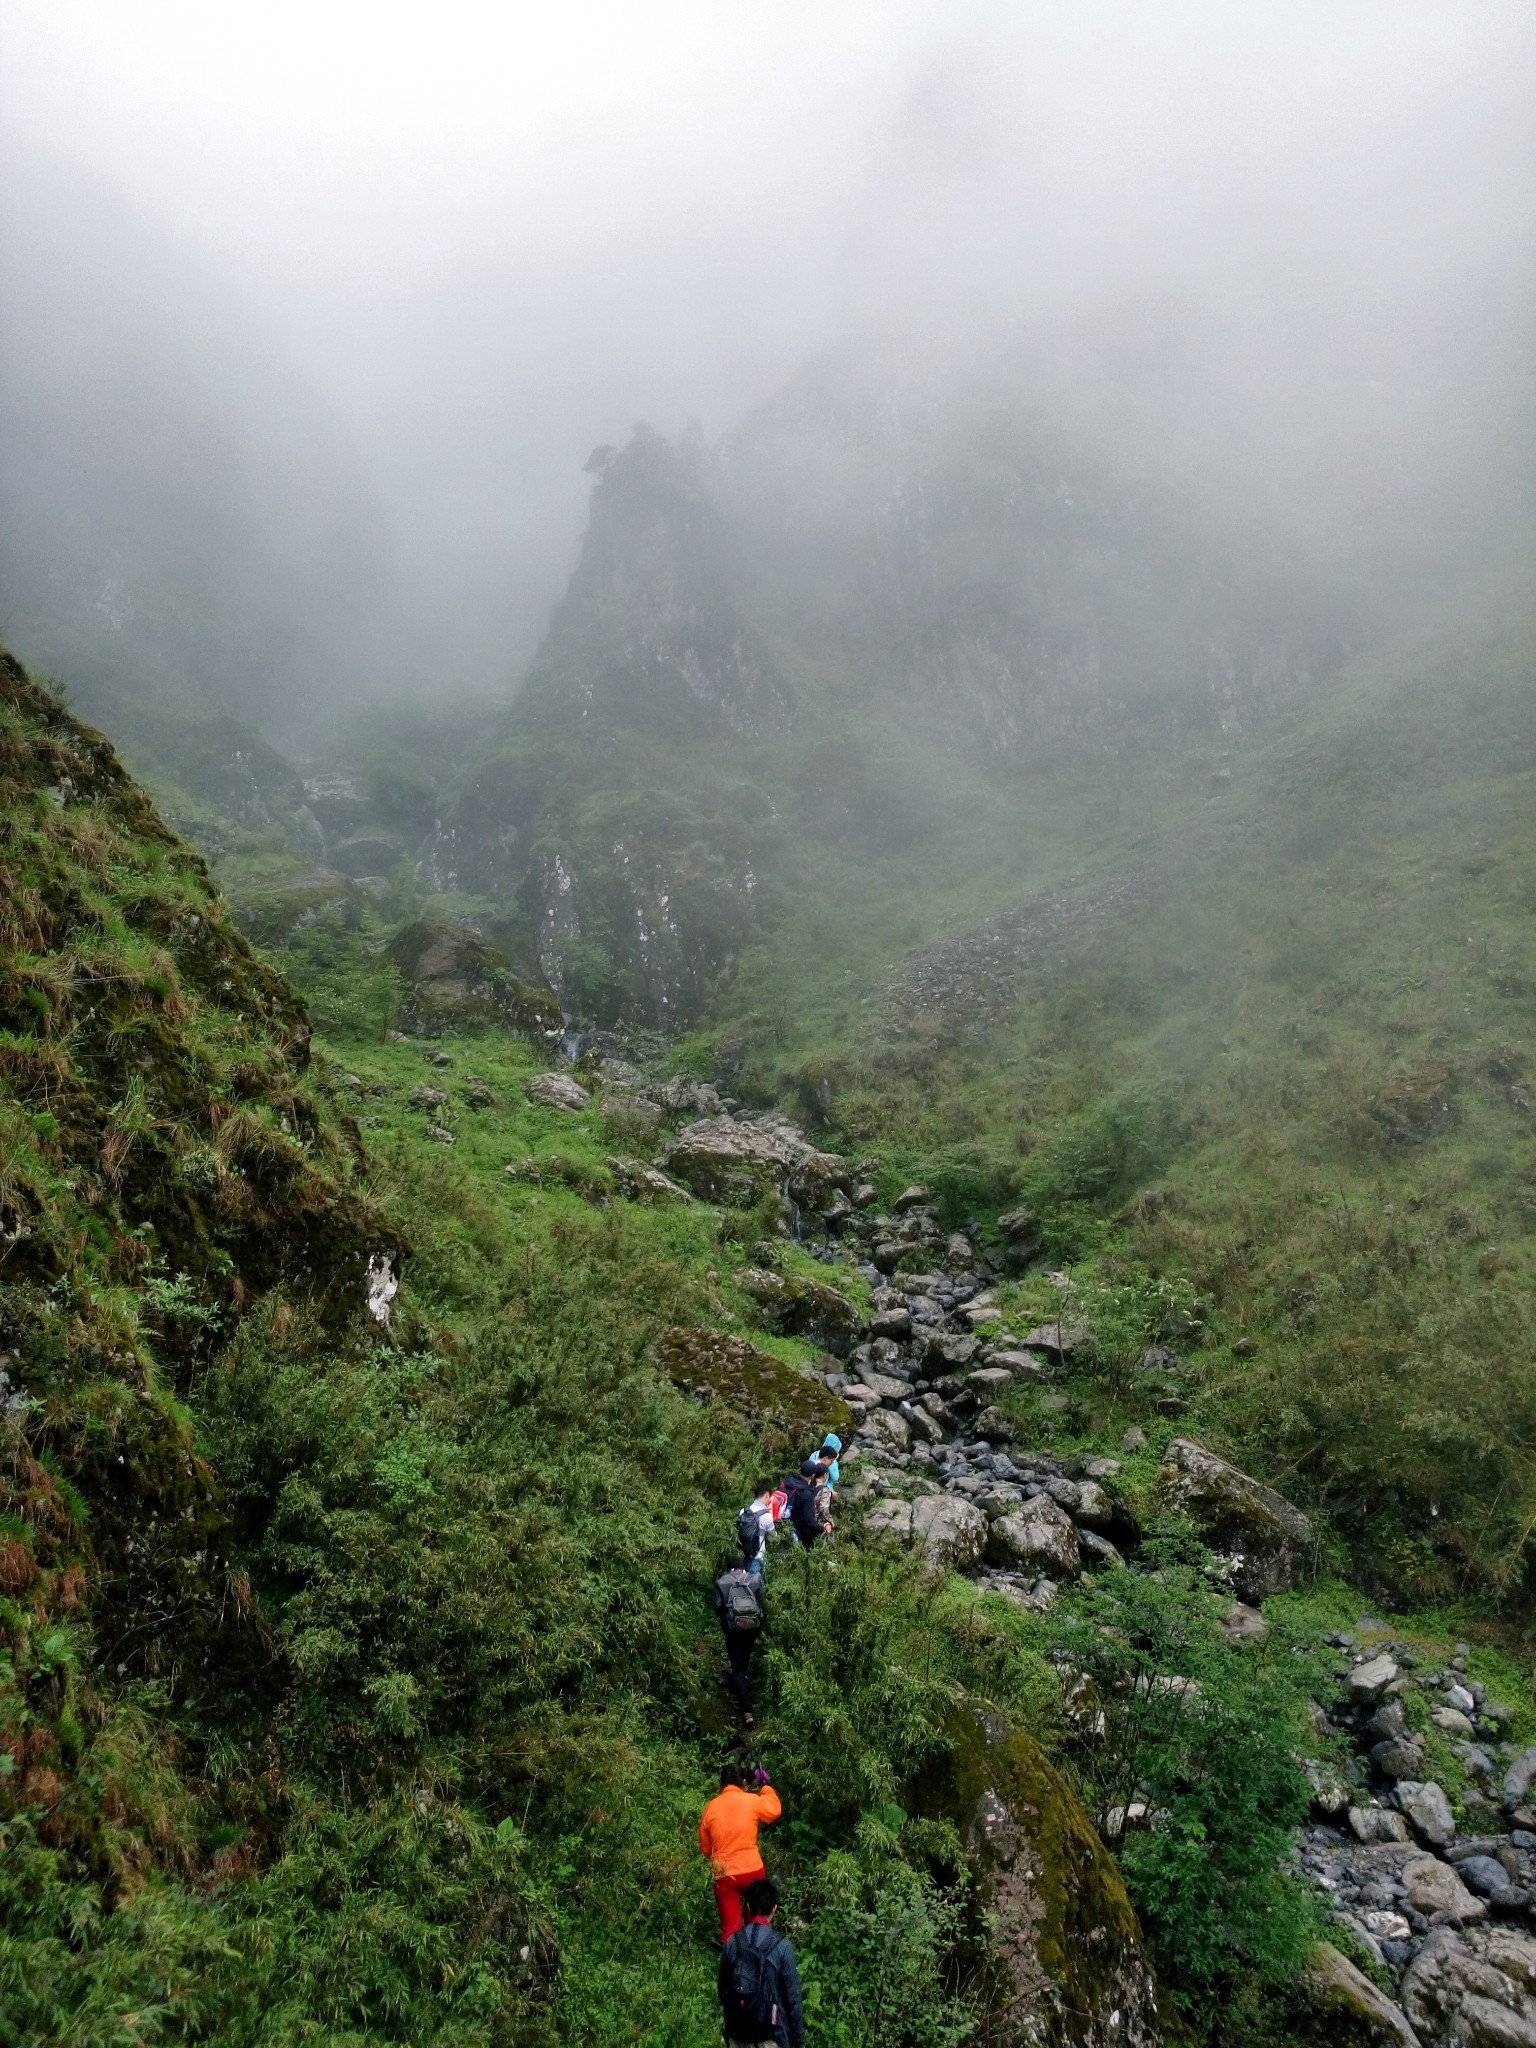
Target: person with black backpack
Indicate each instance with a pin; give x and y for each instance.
(804, 1515)
(742, 1610)
(759, 1980)
(757, 1522)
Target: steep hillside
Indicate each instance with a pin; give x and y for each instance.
(1283, 985)
(373, 1420)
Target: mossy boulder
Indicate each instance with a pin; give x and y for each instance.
(275, 912)
(719, 1367)
(796, 1306)
(1056, 1941)
(1268, 1541)
(1416, 1106)
(456, 980)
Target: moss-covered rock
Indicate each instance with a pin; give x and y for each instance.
(1057, 1940)
(456, 980)
(796, 1306)
(717, 1366)
(1269, 1542)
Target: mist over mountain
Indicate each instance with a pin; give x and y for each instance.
(179, 508)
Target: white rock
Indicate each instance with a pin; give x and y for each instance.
(1427, 1811)
(951, 1530)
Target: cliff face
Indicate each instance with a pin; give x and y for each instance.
(768, 646)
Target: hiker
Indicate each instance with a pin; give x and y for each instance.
(739, 1604)
(804, 1516)
(819, 1472)
(758, 1980)
(832, 1442)
(757, 1522)
(728, 1837)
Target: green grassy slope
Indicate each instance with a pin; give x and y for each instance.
(1287, 983)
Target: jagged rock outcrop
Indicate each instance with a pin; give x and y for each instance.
(455, 979)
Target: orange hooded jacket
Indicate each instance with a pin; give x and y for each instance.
(728, 1828)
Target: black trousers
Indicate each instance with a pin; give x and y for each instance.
(739, 1645)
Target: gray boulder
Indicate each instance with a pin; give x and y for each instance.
(1433, 1887)
(951, 1531)
(557, 1091)
(1426, 1810)
(1268, 1540)
(1518, 1778)
(1368, 1681)
(1037, 1536)
(890, 1520)
(1377, 1824)
(721, 1160)
(1475, 1988)
(1358, 2009)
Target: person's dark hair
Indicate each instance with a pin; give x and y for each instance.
(732, 1563)
(760, 1900)
(731, 1774)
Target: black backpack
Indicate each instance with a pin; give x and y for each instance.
(749, 1533)
(802, 1508)
(740, 1611)
(748, 1985)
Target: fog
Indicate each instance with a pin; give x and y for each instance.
(390, 273)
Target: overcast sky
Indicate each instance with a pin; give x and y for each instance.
(494, 235)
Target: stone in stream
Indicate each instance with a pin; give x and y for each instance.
(892, 1322)
(941, 1348)
(1268, 1540)
(1427, 1811)
(557, 1091)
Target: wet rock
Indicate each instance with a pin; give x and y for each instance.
(951, 1531)
(1037, 1535)
(557, 1091)
(1426, 1810)
(1268, 1539)
(1473, 1989)
(1358, 2010)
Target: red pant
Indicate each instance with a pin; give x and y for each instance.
(728, 1891)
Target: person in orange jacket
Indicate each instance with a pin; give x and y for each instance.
(728, 1837)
